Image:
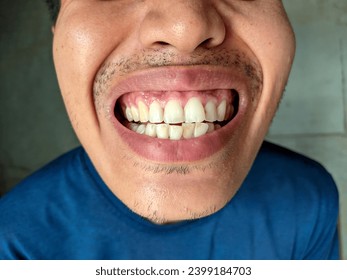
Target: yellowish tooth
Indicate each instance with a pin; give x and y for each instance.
(188, 130)
(151, 130)
(194, 112)
(141, 129)
(163, 131)
(175, 132)
(133, 126)
(156, 114)
(229, 112)
(221, 110)
(135, 114)
(128, 114)
(200, 129)
(211, 111)
(173, 112)
(210, 127)
(143, 112)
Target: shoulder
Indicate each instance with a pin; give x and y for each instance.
(283, 157)
(292, 171)
(51, 177)
(47, 176)
(284, 176)
(25, 210)
(299, 195)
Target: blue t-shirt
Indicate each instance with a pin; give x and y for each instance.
(286, 208)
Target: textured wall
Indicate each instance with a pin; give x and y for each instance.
(312, 119)
(33, 124)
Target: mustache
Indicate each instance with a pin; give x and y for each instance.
(146, 59)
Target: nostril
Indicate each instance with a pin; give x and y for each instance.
(206, 43)
(162, 43)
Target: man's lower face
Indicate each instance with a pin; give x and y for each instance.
(181, 131)
(172, 101)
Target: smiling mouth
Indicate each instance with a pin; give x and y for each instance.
(177, 115)
(181, 113)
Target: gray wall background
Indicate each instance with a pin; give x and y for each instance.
(33, 124)
(312, 119)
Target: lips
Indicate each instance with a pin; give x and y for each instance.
(179, 114)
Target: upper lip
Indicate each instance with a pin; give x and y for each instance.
(181, 78)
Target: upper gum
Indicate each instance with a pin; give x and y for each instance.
(133, 98)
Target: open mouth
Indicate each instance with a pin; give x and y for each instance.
(177, 115)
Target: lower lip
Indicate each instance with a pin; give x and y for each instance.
(175, 151)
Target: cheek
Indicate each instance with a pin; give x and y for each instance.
(270, 36)
(275, 45)
(264, 28)
(84, 39)
(276, 50)
(78, 49)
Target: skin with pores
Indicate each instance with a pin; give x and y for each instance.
(106, 49)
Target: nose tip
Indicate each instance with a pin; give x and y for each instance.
(182, 27)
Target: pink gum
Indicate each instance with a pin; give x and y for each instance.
(217, 96)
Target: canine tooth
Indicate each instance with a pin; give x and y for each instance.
(221, 110)
(200, 129)
(175, 132)
(188, 130)
(163, 131)
(155, 112)
(128, 114)
(135, 113)
(151, 130)
(211, 111)
(173, 112)
(194, 111)
(143, 112)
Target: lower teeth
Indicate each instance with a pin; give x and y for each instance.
(173, 132)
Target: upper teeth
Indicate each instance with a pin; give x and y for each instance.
(174, 113)
(156, 121)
